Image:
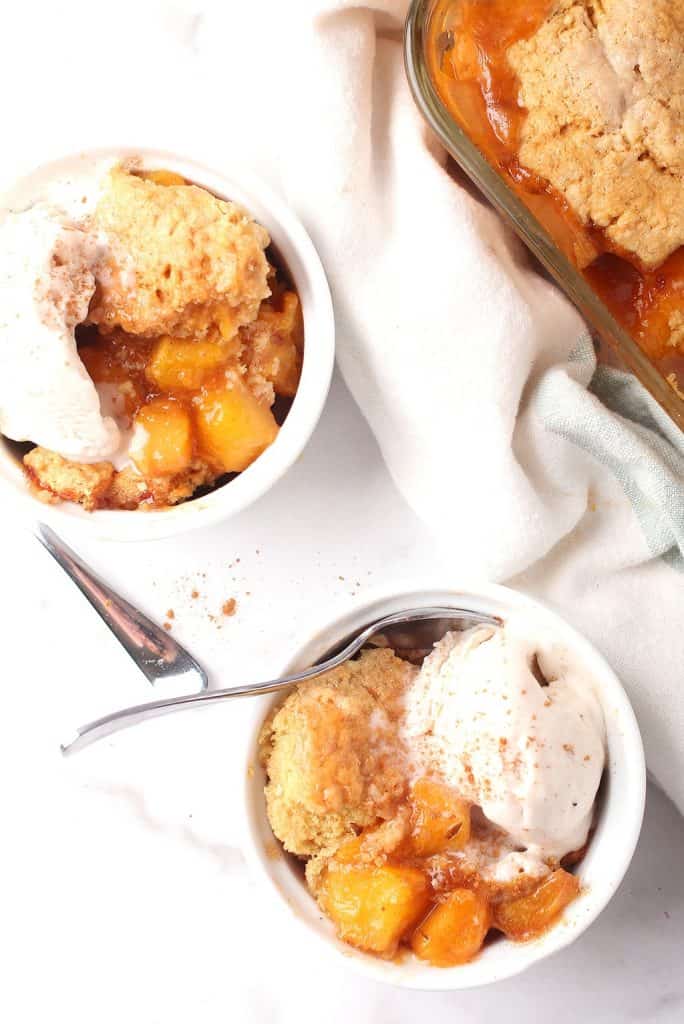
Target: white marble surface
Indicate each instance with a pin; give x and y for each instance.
(124, 894)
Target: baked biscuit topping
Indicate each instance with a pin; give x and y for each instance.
(333, 762)
(181, 260)
(603, 85)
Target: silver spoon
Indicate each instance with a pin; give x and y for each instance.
(410, 634)
(157, 655)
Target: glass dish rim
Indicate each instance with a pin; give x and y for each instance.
(492, 185)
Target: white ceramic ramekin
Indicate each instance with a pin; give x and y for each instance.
(297, 251)
(610, 851)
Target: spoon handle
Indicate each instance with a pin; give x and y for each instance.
(124, 719)
(154, 651)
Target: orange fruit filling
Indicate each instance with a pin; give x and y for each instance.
(454, 931)
(380, 899)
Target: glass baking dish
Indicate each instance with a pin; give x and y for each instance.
(492, 184)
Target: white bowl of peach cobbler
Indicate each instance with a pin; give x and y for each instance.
(446, 821)
(166, 341)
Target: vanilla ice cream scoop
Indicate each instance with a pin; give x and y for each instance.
(507, 717)
(48, 264)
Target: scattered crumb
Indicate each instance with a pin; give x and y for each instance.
(194, 594)
(170, 614)
(229, 607)
(167, 627)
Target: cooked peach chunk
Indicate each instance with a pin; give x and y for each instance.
(374, 907)
(165, 178)
(166, 430)
(454, 931)
(281, 364)
(233, 426)
(275, 342)
(374, 845)
(178, 364)
(531, 915)
(280, 355)
(662, 328)
(351, 851)
(441, 820)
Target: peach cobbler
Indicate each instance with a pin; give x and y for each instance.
(435, 806)
(162, 340)
(580, 106)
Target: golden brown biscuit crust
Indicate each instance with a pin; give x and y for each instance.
(100, 485)
(332, 754)
(54, 478)
(603, 84)
(181, 260)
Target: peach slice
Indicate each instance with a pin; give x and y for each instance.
(167, 447)
(374, 907)
(531, 915)
(440, 819)
(180, 365)
(162, 177)
(454, 931)
(233, 427)
(277, 339)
